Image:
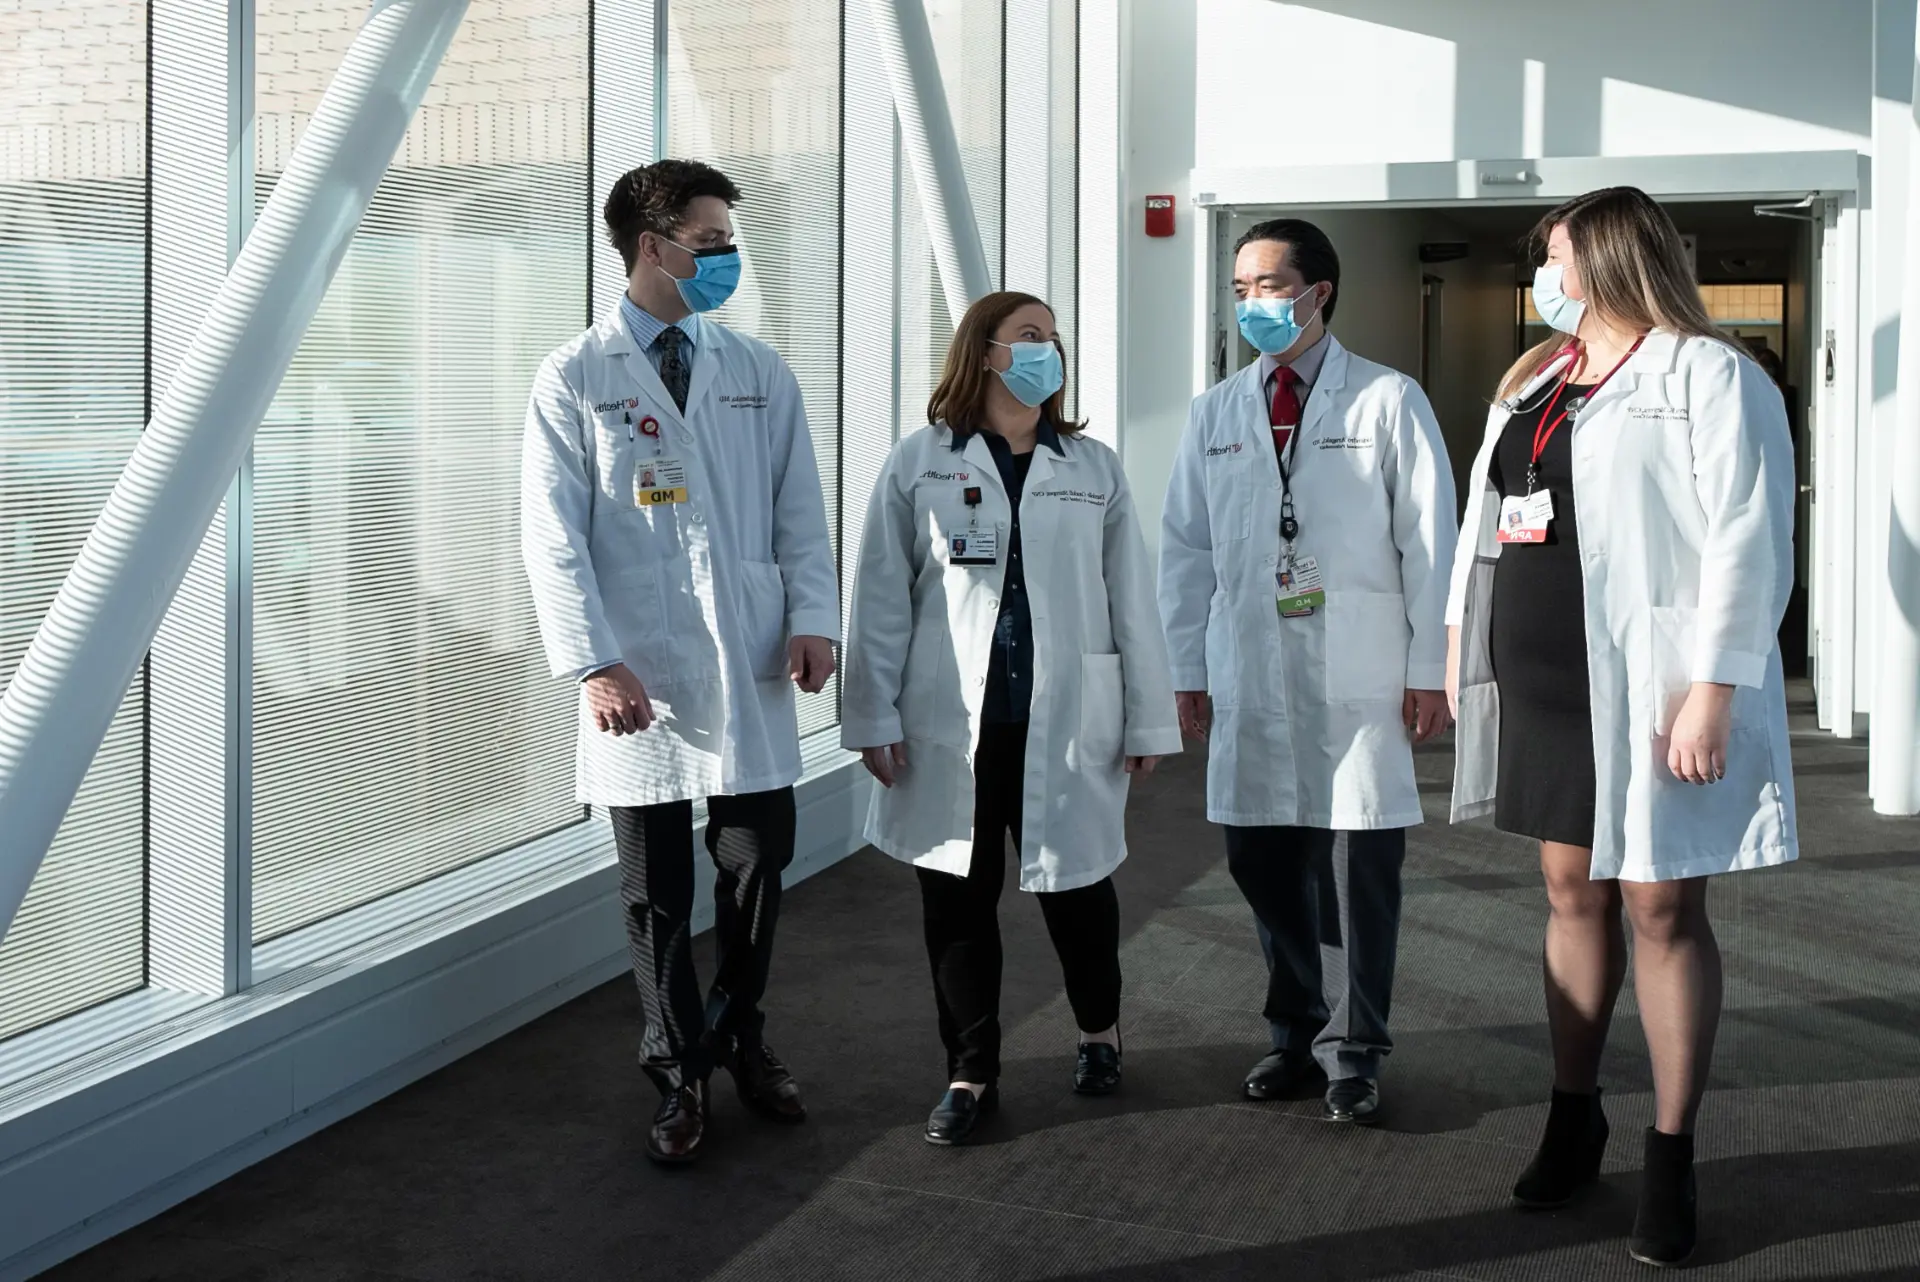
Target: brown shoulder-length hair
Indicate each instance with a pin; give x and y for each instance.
(960, 400)
(1633, 269)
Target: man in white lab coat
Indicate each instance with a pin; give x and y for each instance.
(1308, 533)
(676, 540)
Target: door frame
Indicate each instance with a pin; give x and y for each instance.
(1834, 181)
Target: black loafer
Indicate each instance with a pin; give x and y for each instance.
(1284, 1075)
(1097, 1071)
(958, 1112)
(1353, 1099)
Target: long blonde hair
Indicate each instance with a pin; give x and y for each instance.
(1633, 269)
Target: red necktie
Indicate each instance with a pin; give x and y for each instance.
(1285, 413)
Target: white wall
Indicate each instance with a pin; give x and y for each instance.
(1409, 80)
(1157, 289)
(1416, 80)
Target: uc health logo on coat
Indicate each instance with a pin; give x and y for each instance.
(931, 475)
(608, 407)
(1216, 451)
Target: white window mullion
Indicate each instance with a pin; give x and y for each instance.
(199, 764)
(1029, 145)
(869, 214)
(629, 93)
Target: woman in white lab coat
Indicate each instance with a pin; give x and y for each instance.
(1005, 673)
(1616, 597)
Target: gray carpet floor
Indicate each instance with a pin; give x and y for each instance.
(524, 1160)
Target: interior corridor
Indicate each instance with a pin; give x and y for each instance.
(524, 1160)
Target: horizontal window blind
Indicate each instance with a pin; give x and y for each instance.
(73, 317)
(754, 90)
(404, 721)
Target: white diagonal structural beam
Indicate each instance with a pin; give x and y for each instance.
(933, 150)
(66, 690)
(1894, 741)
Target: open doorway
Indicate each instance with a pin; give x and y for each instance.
(1442, 294)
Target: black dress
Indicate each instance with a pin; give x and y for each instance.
(1539, 649)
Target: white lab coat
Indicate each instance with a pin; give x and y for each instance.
(699, 598)
(921, 635)
(1307, 726)
(1683, 473)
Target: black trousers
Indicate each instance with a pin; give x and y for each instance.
(750, 839)
(963, 923)
(1327, 905)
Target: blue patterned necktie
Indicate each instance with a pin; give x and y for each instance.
(673, 366)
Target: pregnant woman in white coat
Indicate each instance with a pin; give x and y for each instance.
(1617, 593)
(1005, 674)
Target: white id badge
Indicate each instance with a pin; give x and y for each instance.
(1525, 520)
(659, 481)
(1300, 590)
(974, 547)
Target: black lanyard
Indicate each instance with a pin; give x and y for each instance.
(1289, 524)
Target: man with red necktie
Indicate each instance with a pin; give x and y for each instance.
(1303, 586)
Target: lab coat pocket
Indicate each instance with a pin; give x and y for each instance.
(1667, 665)
(1367, 640)
(1230, 504)
(1668, 673)
(631, 598)
(1223, 677)
(692, 649)
(763, 618)
(1103, 698)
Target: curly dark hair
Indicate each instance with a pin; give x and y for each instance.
(655, 198)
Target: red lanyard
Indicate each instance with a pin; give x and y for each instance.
(1543, 430)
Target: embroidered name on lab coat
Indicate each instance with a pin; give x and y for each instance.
(1346, 443)
(1659, 413)
(743, 401)
(1073, 496)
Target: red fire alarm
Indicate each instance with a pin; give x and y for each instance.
(1159, 215)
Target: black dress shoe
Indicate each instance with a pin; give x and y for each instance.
(1097, 1071)
(678, 1125)
(1353, 1099)
(958, 1112)
(765, 1084)
(1664, 1228)
(1285, 1075)
(1570, 1153)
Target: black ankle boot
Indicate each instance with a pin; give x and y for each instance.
(1664, 1230)
(1570, 1152)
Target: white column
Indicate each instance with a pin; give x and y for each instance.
(1895, 729)
(57, 708)
(200, 669)
(933, 150)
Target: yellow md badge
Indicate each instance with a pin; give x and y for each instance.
(659, 481)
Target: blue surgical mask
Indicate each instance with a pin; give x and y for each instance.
(716, 274)
(1269, 323)
(1035, 374)
(1555, 308)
